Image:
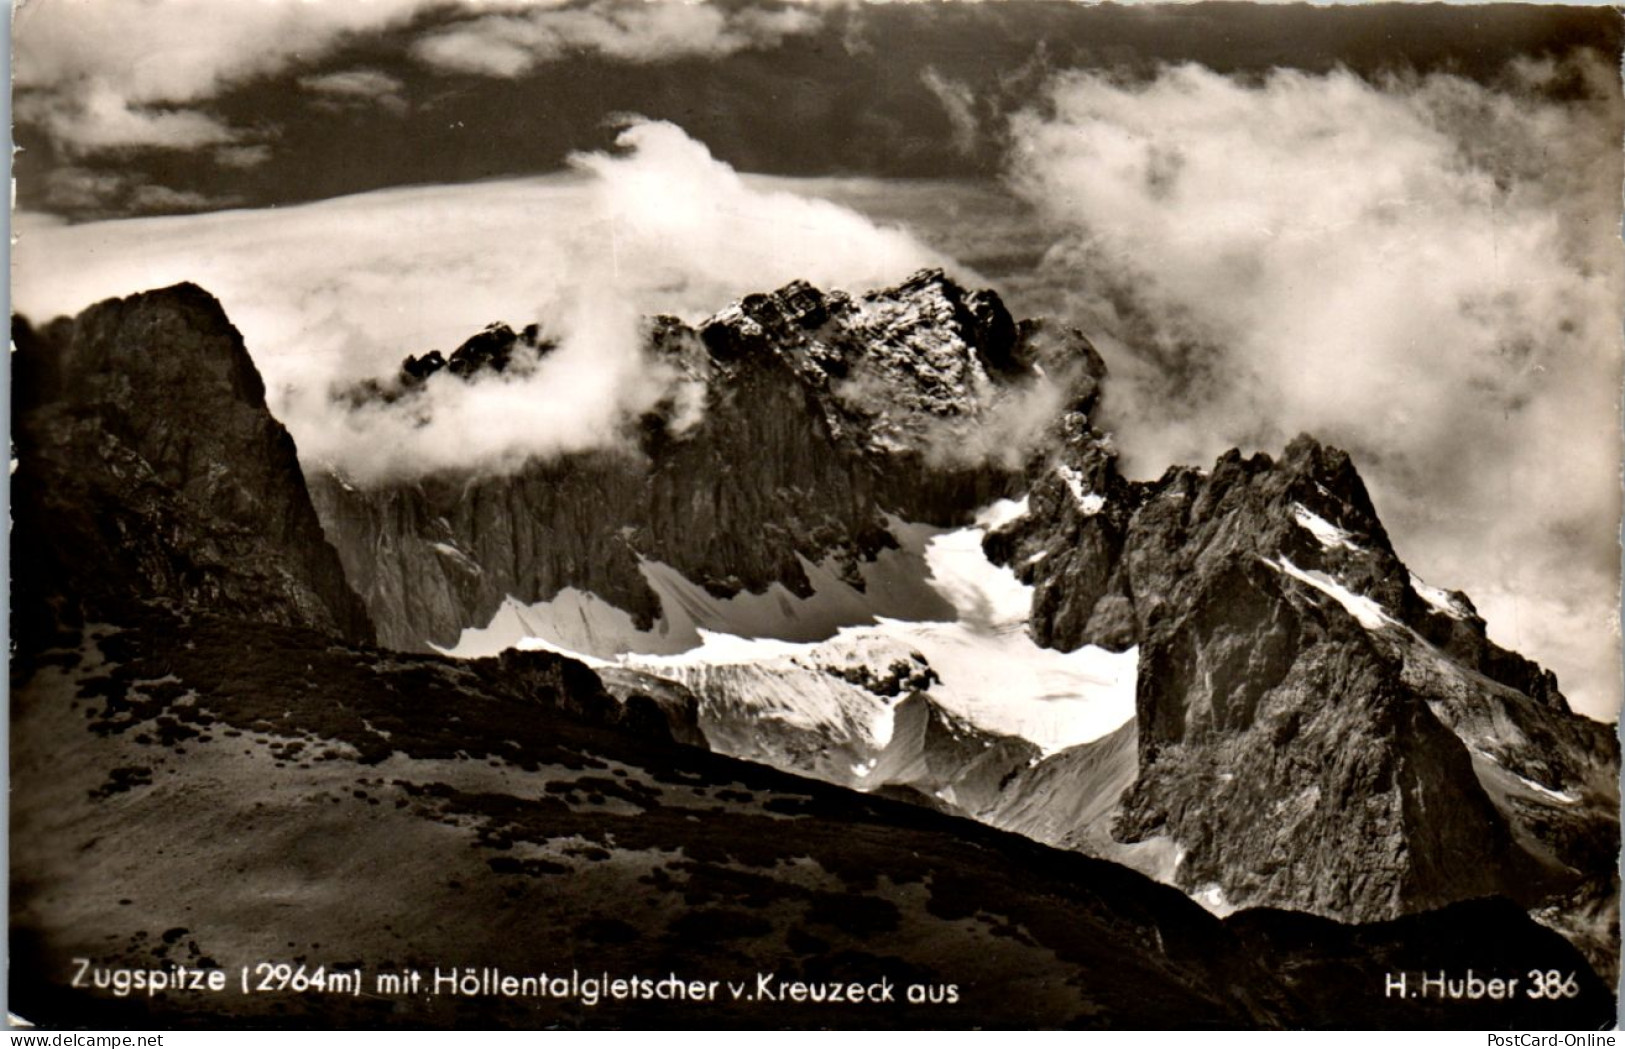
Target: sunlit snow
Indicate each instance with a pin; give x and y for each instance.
(1001, 513)
(1089, 503)
(1212, 898)
(457, 555)
(1368, 612)
(1330, 535)
(895, 585)
(1439, 599)
(936, 597)
(1559, 796)
(1563, 797)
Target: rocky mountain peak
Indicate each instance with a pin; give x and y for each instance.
(108, 356)
(1286, 652)
(970, 329)
(150, 470)
(978, 316)
(924, 366)
(1106, 558)
(1314, 727)
(492, 350)
(800, 419)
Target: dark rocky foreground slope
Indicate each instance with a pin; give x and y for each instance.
(224, 793)
(224, 775)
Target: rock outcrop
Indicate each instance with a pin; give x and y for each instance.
(149, 470)
(1317, 728)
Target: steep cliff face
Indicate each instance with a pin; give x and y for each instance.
(942, 756)
(1105, 554)
(149, 470)
(1276, 745)
(818, 414)
(1071, 799)
(1317, 728)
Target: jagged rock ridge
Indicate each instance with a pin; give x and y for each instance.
(1317, 728)
(821, 414)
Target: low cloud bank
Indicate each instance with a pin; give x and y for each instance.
(333, 293)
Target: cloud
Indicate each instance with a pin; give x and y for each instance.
(1425, 271)
(580, 396)
(353, 87)
(106, 75)
(960, 104)
(96, 117)
(510, 45)
(84, 190)
(671, 216)
(242, 156)
(79, 189)
(115, 74)
(165, 199)
(330, 293)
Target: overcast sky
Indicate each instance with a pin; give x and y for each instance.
(1395, 227)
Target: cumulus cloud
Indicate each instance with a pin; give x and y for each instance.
(242, 156)
(98, 117)
(76, 188)
(671, 216)
(1425, 271)
(512, 44)
(120, 74)
(358, 87)
(578, 397)
(332, 293)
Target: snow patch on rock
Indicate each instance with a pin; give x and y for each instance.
(1089, 503)
(1212, 898)
(1330, 535)
(1001, 513)
(1439, 599)
(462, 560)
(1369, 614)
(989, 671)
(1562, 797)
(894, 585)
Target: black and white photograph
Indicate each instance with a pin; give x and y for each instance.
(815, 514)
